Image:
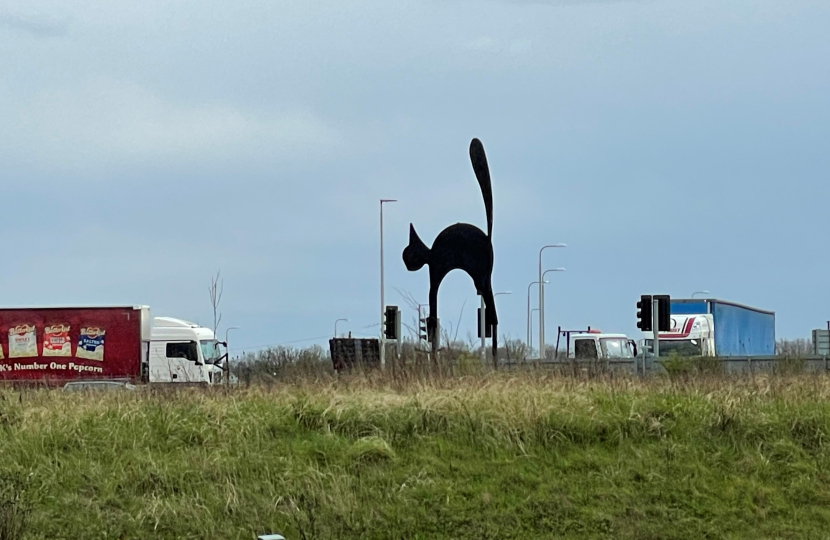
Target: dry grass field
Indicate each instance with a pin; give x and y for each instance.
(516, 455)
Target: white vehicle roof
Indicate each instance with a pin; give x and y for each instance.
(591, 334)
(179, 329)
(170, 322)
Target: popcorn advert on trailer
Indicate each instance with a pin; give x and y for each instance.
(56, 342)
(22, 341)
(91, 343)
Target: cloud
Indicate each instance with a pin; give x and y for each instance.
(36, 25)
(106, 121)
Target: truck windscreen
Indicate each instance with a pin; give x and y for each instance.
(210, 352)
(685, 347)
(616, 348)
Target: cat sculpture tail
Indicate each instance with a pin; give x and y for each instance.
(417, 254)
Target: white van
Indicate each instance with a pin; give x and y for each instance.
(183, 352)
(594, 345)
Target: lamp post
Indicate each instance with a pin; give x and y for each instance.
(382, 299)
(335, 325)
(542, 301)
(699, 292)
(548, 281)
(228, 352)
(552, 270)
(532, 283)
(530, 340)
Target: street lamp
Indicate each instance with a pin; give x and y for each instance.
(532, 283)
(335, 325)
(228, 330)
(530, 340)
(699, 292)
(546, 273)
(228, 352)
(542, 301)
(552, 270)
(382, 299)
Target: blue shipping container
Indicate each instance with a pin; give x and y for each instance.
(739, 330)
(742, 331)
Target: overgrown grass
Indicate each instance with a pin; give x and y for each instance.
(507, 456)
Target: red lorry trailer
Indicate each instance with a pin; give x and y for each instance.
(56, 345)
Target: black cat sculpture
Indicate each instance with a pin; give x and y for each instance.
(460, 246)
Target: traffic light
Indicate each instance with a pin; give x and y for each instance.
(427, 327)
(422, 329)
(644, 314)
(487, 323)
(392, 322)
(663, 312)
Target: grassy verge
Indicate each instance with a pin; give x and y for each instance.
(525, 456)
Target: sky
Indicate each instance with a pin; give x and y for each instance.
(675, 146)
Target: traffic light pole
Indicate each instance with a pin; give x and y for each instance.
(382, 299)
(655, 325)
(400, 337)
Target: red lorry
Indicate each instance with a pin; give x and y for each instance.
(56, 345)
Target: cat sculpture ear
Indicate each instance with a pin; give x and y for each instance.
(416, 254)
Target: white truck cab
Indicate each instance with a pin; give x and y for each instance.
(183, 352)
(594, 345)
(690, 335)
